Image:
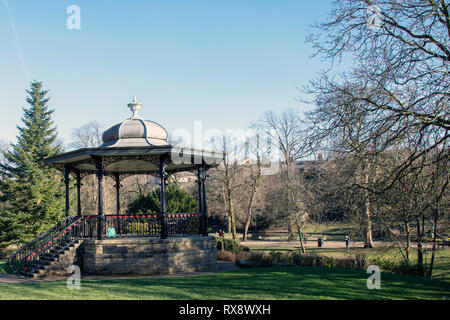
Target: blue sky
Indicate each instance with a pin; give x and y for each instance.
(221, 62)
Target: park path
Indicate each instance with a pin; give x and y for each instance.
(309, 244)
(313, 244)
(222, 266)
(9, 278)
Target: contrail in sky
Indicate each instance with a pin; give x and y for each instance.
(16, 41)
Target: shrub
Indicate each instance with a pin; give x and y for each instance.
(360, 260)
(347, 262)
(330, 262)
(309, 259)
(405, 267)
(312, 259)
(280, 257)
(260, 259)
(275, 256)
(384, 264)
(402, 267)
(253, 259)
(226, 256)
(230, 245)
(243, 255)
(306, 259)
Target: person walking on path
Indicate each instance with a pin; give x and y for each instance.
(347, 243)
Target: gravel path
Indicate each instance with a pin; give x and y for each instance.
(326, 244)
(9, 278)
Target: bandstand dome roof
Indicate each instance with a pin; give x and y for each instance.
(135, 131)
(134, 146)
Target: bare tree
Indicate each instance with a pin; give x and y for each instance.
(295, 194)
(285, 132)
(396, 95)
(87, 136)
(253, 177)
(400, 76)
(227, 176)
(439, 201)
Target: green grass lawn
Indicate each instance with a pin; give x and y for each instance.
(440, 271)
(258, 283)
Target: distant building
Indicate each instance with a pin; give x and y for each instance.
(185, 178)
(181, 178)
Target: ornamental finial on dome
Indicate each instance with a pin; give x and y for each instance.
(134, 107)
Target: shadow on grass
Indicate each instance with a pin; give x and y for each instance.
(258, 283)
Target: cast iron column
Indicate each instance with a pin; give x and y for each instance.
(78, 193)
(100, 199)
(117, 192)
(66, 182)
(162, 175)
(200, 201)
(204, 213)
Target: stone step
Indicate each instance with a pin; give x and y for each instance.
(30, 274)
(42, 266)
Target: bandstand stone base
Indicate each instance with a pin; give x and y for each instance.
(149, 256)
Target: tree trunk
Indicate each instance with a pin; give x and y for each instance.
(249, 214)
(367, 214)
(291, 236)
(368, 225)
(419, 243)
(408, 239)
(433, 251)
(299, 231)
(225, 201)
(231, 214)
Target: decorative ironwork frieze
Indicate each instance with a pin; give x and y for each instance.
(106, 161)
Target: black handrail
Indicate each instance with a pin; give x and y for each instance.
(16, 260)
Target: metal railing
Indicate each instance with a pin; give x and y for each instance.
(184, 224)
(48, 245)
(45, 246)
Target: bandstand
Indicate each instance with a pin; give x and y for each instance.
(118, 242)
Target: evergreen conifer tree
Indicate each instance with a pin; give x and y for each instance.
(32, 194)
(178, 200)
